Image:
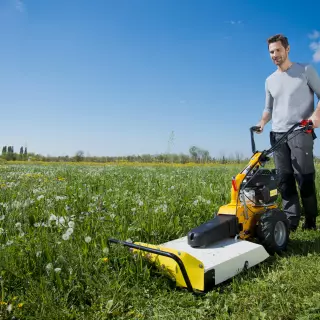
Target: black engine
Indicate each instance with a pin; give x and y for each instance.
(260, 186)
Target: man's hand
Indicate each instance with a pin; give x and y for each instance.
(315, 118)
(266, 117)
(315, 123)
(261, 124)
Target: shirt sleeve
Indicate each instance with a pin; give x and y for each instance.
(268, 100)
(313, 80)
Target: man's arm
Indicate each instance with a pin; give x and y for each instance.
(314, 84)
(267, 112)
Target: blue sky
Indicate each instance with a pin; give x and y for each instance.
(117, 77)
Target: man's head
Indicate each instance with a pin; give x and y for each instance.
(279, 48)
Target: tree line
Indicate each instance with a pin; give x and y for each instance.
(195, 155)
(8, 153)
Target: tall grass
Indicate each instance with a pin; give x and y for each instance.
(55, 262)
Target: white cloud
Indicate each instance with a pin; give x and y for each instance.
(314, 35)
(19, 5)
(234, 22)
(315, 45)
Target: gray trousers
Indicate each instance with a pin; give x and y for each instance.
(295, 165)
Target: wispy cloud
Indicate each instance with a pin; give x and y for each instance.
(19, 5)
(234, 21)
(314, 35)
(315, 45)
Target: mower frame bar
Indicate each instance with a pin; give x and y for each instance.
(304, 124)
(162, 253)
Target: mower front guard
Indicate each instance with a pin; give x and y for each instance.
(161, 253)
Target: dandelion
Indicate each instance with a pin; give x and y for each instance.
(60, 198)
(87, 239)
(105, 250)
(65, 236)
(71, 224)
(2, 217)
(57, 270)
(52, 217)
(49, 267)
(69, 231)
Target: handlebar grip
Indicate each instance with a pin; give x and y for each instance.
(255, 128)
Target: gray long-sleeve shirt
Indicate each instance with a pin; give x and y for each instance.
(290, 95)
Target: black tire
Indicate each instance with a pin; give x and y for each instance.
(273, 231)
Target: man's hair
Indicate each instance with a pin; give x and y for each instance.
(279, 37)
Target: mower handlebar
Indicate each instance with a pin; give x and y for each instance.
(255, 128)
(306, 125)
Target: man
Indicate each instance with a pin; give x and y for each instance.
(289, 99)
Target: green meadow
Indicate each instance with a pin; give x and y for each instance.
(55, 261)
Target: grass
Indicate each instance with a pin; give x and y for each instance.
(55, 262)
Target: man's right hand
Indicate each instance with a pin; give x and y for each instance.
(261, 125)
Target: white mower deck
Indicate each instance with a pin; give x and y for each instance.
(223, 259)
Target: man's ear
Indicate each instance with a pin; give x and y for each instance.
(288, 49)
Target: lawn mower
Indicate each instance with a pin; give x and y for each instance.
(242, 234)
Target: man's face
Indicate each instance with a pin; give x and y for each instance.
(278, 53)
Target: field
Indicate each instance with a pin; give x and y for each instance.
(55, 262)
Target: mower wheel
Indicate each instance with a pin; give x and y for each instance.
(273, 231)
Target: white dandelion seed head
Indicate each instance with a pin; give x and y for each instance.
(52, 217)
(49, 266)
(69, 231)
(65, 236)
(61, 221)
(87, 239)
(71, 224)
(105, 250)
(9, 307)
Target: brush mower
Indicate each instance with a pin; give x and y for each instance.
(242, 234)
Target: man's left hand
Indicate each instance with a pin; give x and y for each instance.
(315, 122)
